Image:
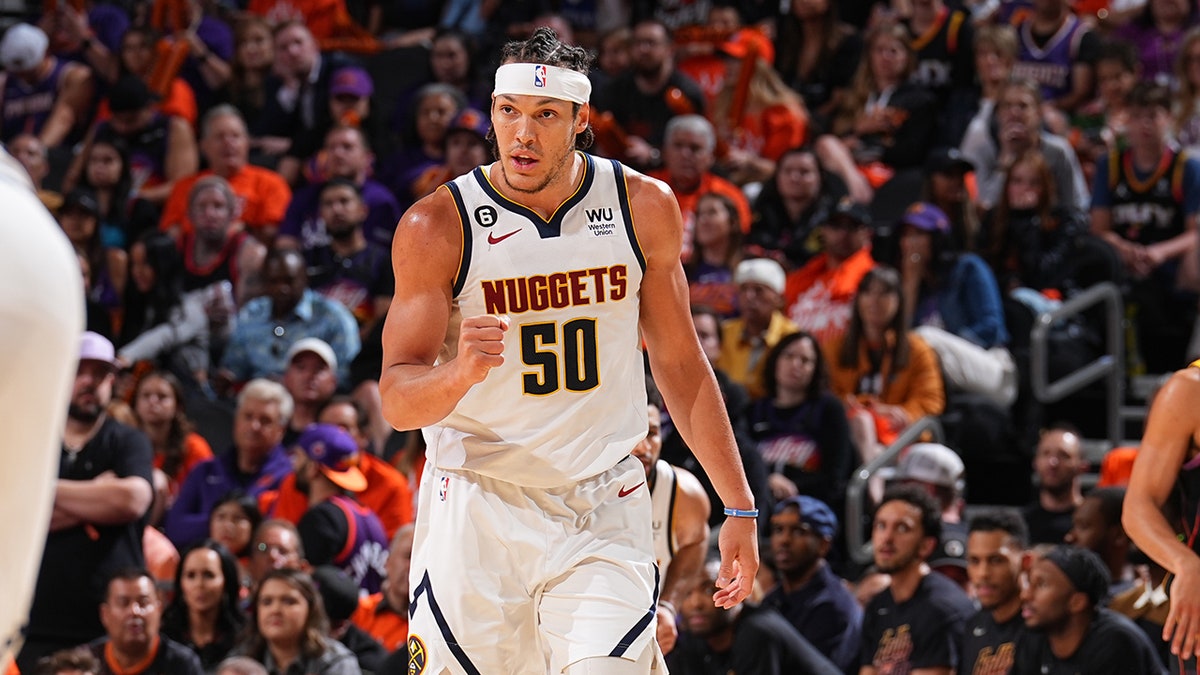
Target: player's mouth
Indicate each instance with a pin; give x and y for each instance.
(522, 161)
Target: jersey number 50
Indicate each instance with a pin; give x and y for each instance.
(566, 358)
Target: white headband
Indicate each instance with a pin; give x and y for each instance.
(536, 79)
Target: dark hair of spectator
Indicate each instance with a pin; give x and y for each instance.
(316, 624)
(1112, 501)
(820, 376)
(1001, 520)
(230, 619)
(67, 660)
(890, 279)
(915, 495)
(1149, 95)
(249, 507)
(180, 427)
(149, 309)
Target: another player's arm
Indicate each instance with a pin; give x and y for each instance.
(686, 380)
(426, 252)
(1171, 430)
(690, 525)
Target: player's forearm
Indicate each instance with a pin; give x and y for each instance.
(109, 502)
(1151, 532)
(416, 396)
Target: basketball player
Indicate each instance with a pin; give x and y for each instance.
(1169, 456)
(524, 292)
(41, 319)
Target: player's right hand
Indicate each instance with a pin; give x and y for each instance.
(481, 344)
(1182, 627)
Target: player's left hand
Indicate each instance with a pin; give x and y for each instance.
(739, 561)
(667, 632)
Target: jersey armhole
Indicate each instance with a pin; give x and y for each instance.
(464, 260)
(627, 212)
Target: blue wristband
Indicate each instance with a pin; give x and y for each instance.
(741, 513)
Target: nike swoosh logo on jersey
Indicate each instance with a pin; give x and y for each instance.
(625, 492)
(493, 239)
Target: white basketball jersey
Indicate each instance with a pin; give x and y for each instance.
(662, 510)
(569, 401)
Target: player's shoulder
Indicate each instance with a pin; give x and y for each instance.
(645, 190)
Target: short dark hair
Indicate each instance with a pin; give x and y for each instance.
(127, 574)
(340, 182)
(915, 495)
(820, 376)
(1149, 95)
(1001, 520)
(1112, 502)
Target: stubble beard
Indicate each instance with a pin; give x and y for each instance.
(555, 171)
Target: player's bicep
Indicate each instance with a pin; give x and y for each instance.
(1169, 434)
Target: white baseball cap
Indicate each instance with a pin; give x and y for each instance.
(761, 271)
(23, 47)
(931, 463)
(315, 345)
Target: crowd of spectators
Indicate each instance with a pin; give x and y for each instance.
(879, 197)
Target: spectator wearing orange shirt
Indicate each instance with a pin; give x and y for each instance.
(225, 144)
(687, 163)
(384, 615)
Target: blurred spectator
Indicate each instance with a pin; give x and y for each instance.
(163, 325)
(276, 545)
(454, 59)
(949, 187)
(939, 471)
(100, 500)
(1157, 35)
(158, 406)
(1103, 122)
(799, 425)
(1186, 123)
(955, 306)
(349, 104)
(745, 638)
(289, 629)
(346, 157)
(1068, 628)
(311, 379)
(35, 158)
(613, 57)
(106, 173)
(1096, 525)
(42, 94)
(384, 615)
(240, 665)
(268, 326)
(760, 325)
(995, 562)
(256, 463)
(716, 253)
(87, 32)
(689, 141)
(262, 194)
(819, 297)
(98, 318)
(253, 57)
(75, 661)
(220, 251)
(232, 524)
(208, 65)
(992, 145)
(467, 147)
(809, 595)
(1058, 51)
(995, 55)
(205, 613)
(138, 55)
(917, 622)
(434, 106)
(132, 614)
(943, 38)
(1058, 465)
(783, 224)
(340, 594)
(822, 74)
(1145, 204)
(336, 529)
(888, 376)
(646, 97)
(80, 220)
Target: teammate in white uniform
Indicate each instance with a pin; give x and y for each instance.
(524, 291)
(679, 509)
(41, 319)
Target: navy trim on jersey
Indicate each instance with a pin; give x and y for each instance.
(627, 212)
(451, 642)
(546, 228)
(671, 511)
(464, 262)
(641, 625)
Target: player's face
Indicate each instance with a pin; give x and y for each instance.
(282, 612)
(536, 139)
(342, 210)
(796, 365)
(257, 427)
(155, 401)
(994, 567)
(1088, 529)
(794, 545)
(277, 548)
(1057, 462)
(130, 614)
(202, 580)
(92, 391)
(898, 537)
(1044, 599)
(648, 450)
(231, 526)
(395, 585)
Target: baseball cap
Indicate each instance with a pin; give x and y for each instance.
(338, 591)
(470, 120)
(927, 217)
(931, 463)
(130, 93)
(1083, 568)
(947, 160)
(336, 453)
(761, 271)
(351, 80)
(81, 198)
(813, 512)
(315, 345)
(952, 547)
(845, 209)
(95, 347)
(23, 47)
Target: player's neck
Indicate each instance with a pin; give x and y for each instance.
(1065, 640)
(1006, 611)
(546, 200)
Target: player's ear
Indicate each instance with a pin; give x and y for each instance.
(583, 118)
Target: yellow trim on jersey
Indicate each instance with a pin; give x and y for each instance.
(582, 182)
(462, 237)
(1194, 364)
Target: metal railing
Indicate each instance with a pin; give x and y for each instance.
(1110, 365)
(859, 546)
